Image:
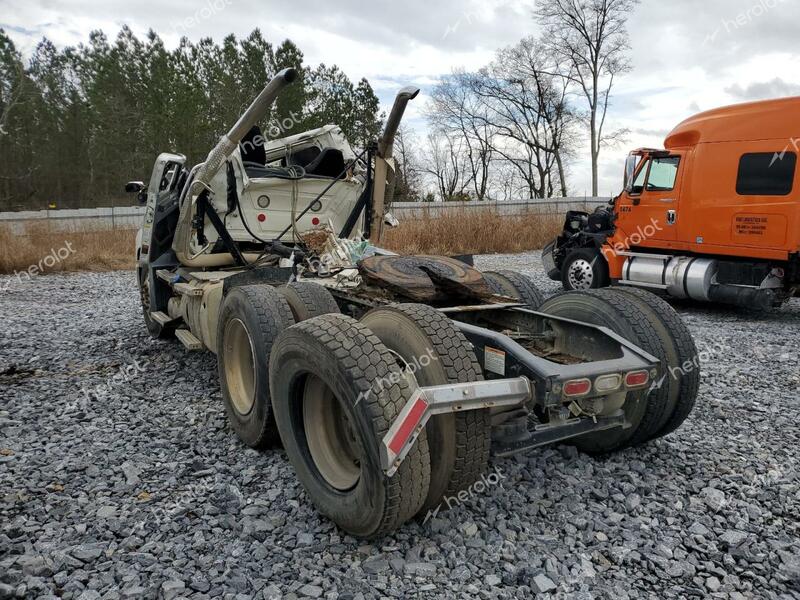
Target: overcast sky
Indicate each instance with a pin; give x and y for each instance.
(688, 55)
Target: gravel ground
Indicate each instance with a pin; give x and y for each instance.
(120, 478)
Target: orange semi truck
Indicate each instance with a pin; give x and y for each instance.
(715, 216)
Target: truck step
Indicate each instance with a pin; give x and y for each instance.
(165, 275)
(162, 318)
(187, 339)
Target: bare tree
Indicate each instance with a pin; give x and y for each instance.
(508, 185)
(445, 162)
(456, 109)
(590, 38)
(541, 97)
(526, 105)
(408, 171)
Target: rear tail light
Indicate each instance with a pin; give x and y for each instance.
(637, 378)
(608, 383)
(577, 387)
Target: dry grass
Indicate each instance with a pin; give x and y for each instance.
(46, 250)
(473, 232)
(38, 249)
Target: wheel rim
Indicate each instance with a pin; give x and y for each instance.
(240, 366)
(330, 435)
(581, 274)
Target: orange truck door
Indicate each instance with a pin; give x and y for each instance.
(648, 213)
(746, 201)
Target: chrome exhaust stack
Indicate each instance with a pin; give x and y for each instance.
(257, 110)
(386, 143)
(384, 160)
(254, 113)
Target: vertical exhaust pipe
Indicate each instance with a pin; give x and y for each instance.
(386, 143)
(384, 155)
(254, 113)
(219, 155)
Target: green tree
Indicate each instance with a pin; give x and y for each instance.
(77, 122)
(290, 108)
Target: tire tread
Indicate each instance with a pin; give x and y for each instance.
(273, 315)
(315, 299)
(473, 427)
(365, 360)
(524, 286)
(687, 351)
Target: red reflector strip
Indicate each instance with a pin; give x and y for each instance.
(410, 423)
(637, 378)
(577, 387)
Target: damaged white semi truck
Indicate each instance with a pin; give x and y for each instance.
(389, 380)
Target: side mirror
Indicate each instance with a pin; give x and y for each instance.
(630, 169)
(134, 187)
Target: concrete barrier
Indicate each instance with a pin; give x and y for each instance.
(550, 206)
(123, 217)
(130, 217)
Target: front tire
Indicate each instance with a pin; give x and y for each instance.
(585, 269)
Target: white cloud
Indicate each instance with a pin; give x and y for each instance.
(686, 55)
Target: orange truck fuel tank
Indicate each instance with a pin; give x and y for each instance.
(714, 216)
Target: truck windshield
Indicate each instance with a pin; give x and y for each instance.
(663, 172)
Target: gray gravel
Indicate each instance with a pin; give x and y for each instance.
(119, 478)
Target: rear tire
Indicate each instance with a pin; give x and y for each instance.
(459, 442)
(681, 350)
(515, 285)
(585, 269)
(308, 300)
(626, 318)
(250, 320)
(340, 469)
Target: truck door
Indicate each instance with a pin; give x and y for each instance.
(164, 182)
(649, 210)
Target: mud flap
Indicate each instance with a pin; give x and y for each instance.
(428, 401)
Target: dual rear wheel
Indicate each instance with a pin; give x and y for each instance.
(330, 387)
(653, 325)
(334, 388)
